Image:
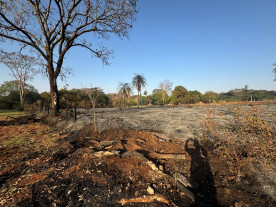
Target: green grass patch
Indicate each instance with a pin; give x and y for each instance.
(11, 113)
(17, 141)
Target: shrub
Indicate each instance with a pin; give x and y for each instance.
(246, 136)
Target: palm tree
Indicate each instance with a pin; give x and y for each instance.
(124, 91)
(139, 81)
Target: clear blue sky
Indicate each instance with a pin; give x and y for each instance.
(202, 45)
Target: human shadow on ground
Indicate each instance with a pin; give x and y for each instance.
(201, 174)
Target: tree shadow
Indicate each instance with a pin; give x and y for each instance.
(201, 174)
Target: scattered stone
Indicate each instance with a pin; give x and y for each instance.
(152, 166)
(161, 167)
(150, 190)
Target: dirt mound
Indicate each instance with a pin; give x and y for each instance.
(41, 166)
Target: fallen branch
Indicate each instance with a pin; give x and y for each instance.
(169, 156)
(146, 199)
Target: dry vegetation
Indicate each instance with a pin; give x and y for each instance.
(231, 162)
(245, 140)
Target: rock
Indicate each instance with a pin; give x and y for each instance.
(161, 167)
(182, 179)
(106, 153)
(152, 166)
(150, 190)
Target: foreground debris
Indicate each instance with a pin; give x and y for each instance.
(41, 166)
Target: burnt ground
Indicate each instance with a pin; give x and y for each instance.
(175, 122)
(141, 162)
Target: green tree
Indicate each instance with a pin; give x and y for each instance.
(51, 28)
(10, 96)
(124, 92)
(139, 81)
(147, 98)
(195, 96)
(45, 98)
(180, 95)
(157, 97)
(209, 97)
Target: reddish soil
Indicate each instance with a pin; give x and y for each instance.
(41, 166)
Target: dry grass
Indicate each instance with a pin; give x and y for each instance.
(245, 138)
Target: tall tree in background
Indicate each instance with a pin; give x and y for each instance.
(51, 28)
(124, 91)
(139, 81)
(22, 69)
(166, 87)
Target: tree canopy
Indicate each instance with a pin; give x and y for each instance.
(139, 81)
(180, 95)
(51, 28)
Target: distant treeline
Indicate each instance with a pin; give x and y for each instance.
(9, 97)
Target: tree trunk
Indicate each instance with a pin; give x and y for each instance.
(21, 97)
(21, 93)
(138, 99)
(54, 95)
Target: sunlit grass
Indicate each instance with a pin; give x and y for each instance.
(4, 113)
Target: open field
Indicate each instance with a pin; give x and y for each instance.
(140, 157)
(180, 122)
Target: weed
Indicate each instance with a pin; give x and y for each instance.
(245, 137)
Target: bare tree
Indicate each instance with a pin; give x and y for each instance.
(92, 94)
(50, 28)
(22, 68)
(166, 88)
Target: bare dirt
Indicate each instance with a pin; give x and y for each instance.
(135, 160)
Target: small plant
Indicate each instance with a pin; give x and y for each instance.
(176, 174)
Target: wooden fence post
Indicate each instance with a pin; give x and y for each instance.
(75, 112)
(67, 115)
